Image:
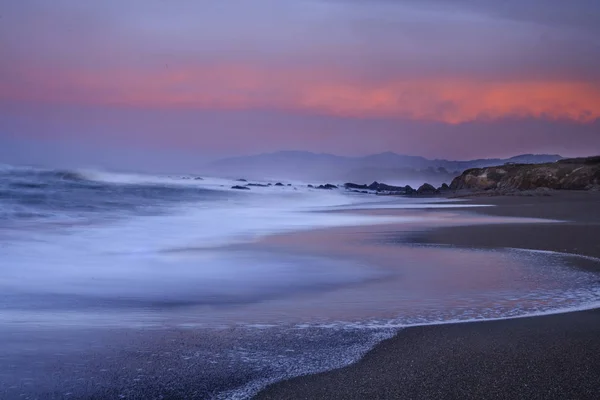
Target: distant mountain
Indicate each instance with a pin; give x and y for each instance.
(389, 167)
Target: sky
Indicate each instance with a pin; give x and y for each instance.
(159, 82)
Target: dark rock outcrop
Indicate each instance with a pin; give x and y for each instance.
(279, 184)
(240, 187)
(444, 188)
(241, 180)
(379, 188)
(311, 186)
(355, 186)
(426, 188)
(567, 174)
(374, 186)
(257, 185)
(382, 187)
(327, 186)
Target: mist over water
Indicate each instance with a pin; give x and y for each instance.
(176, 283)
(122, 238)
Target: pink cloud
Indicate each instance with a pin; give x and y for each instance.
(324, 91)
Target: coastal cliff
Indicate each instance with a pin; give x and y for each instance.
(566, 174)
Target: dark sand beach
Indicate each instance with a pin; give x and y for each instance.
(577, 233)
(544, 357)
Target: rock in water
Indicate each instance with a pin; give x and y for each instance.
(382, 187)
(328, 186)
(426, 188)
(258, 185)
(240, 187)
(373, 186)
(355, 186)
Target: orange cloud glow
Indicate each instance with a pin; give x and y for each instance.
(325, 92)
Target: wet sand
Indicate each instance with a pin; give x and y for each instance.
(546, 357)
(578, 233)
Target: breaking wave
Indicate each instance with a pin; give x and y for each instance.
(33, 193)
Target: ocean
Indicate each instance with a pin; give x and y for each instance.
(122, 285)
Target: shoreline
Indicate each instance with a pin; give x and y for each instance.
(576, 232)
(512, 358)
(541, 356)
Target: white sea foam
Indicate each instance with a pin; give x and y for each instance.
(140, 178)
(135, 256)
(168, 257)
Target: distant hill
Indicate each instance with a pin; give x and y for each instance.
(389, 167)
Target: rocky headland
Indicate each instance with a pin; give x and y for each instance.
(566, 174)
